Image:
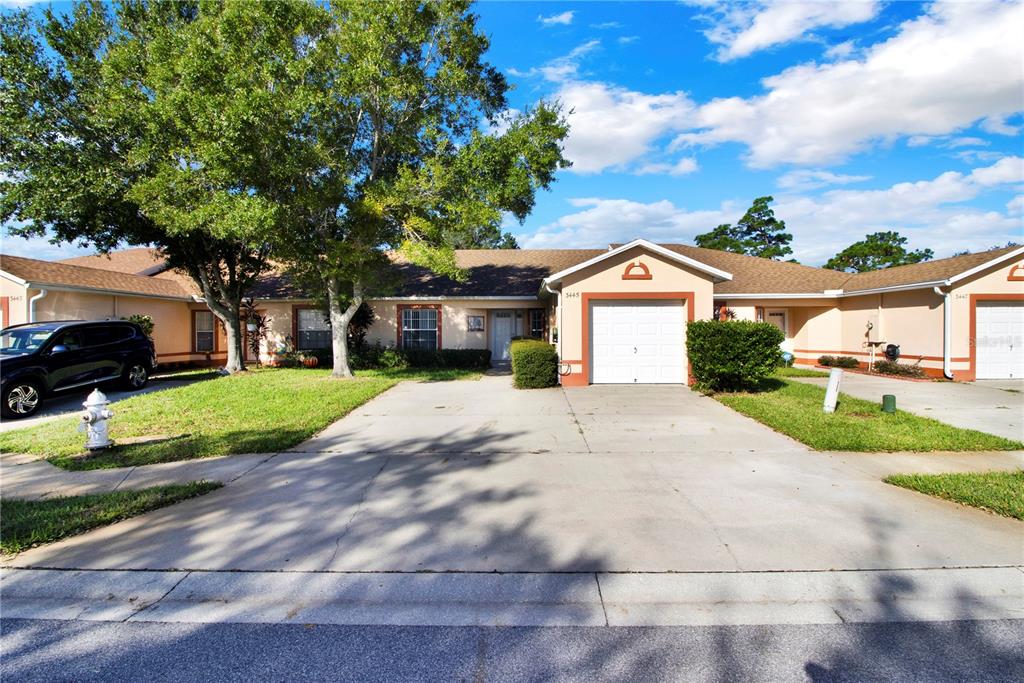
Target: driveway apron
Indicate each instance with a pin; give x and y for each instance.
(476, 476)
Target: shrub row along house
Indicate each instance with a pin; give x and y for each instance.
(616, 315)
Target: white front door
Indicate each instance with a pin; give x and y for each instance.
(502, 326)
(637, 342)
(999, 339)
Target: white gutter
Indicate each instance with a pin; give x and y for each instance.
(947, 333)
(32, 304)
(558, 316)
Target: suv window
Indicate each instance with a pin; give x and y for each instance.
(107, 334)
(71, 339)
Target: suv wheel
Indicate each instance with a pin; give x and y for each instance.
(21, 399)
(136, 374)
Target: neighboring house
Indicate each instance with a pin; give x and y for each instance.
(617, 314)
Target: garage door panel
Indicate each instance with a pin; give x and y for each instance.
(999, 339)
(638, 342)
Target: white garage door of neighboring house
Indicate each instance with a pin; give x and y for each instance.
(637, 342)
(999, 337)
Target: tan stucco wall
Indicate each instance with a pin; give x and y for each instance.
(667, 276)
(17, 302)
(455, 333)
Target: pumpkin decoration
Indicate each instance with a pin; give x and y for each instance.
(311, 361)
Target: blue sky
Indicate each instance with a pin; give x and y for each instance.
(857, 116)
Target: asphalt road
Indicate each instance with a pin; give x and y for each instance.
(105, 651)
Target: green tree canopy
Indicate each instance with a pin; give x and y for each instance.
(155, 123)
(875, 251)
(757, 233)
(390, 152)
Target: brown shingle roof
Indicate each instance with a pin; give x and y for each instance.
(136, 261)
(491, 272)
(929, 271)
(753, 275)
(54, 274)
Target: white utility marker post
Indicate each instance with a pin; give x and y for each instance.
(832, 391)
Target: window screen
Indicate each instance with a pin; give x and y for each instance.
(419, 328)
(204, 331)
(314, 330)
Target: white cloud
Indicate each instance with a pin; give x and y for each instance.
(605, 25)
(626, 40)
(803, 180)
(603, 221)
(943, 71)
(930, 213)
(967, 142)
(681, 167)
(1016, 205)
(998, 126)
(38, 247)
(841, 50)
(610, 126)
(744, 28)
(563, 19)
(561, 68)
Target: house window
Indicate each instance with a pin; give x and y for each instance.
(205, 333)
(538, 322)
(419, 328)
(475, 323)
(312, 330)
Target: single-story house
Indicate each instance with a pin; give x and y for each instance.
(617, 315)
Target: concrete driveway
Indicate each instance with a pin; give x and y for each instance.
(992, 406)
(475, 476)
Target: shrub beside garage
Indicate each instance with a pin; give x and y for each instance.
(732, 355)
(534, 364)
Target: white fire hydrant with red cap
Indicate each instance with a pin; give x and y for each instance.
(94, 421)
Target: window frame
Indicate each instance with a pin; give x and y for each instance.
(400, 322)
(543, 315)
(295, 326)
(195, 331)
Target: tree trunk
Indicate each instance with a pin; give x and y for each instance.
(340, 318)
(230, 316)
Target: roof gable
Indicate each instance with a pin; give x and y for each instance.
(675, 256)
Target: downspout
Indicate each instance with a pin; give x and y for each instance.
(32, 304)
(947, 333)
(558, 316)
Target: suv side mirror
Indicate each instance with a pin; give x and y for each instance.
(58, 348)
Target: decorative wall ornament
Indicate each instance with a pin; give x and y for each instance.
(1016, 274)
(631, 272)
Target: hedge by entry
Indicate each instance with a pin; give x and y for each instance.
(534, 364)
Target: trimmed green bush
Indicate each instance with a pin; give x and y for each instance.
(732, 355)
(838, 362)
(891, 367)
(375, 356)
(534, 364)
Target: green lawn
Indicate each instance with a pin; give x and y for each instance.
(794, 409)
(999, 492)
(27, 523)
(260, 411)
(799, 372)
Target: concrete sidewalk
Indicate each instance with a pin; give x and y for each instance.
(516, 599)
(994, 407)
(30, 478)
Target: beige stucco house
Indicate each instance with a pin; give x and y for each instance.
(617, 315)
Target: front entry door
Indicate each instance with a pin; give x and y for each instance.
(502, 326)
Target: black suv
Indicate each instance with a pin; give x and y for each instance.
(39, 359)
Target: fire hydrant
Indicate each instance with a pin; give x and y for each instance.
(94, 421)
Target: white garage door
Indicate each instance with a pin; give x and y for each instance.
(636, 342)
(999, 336)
